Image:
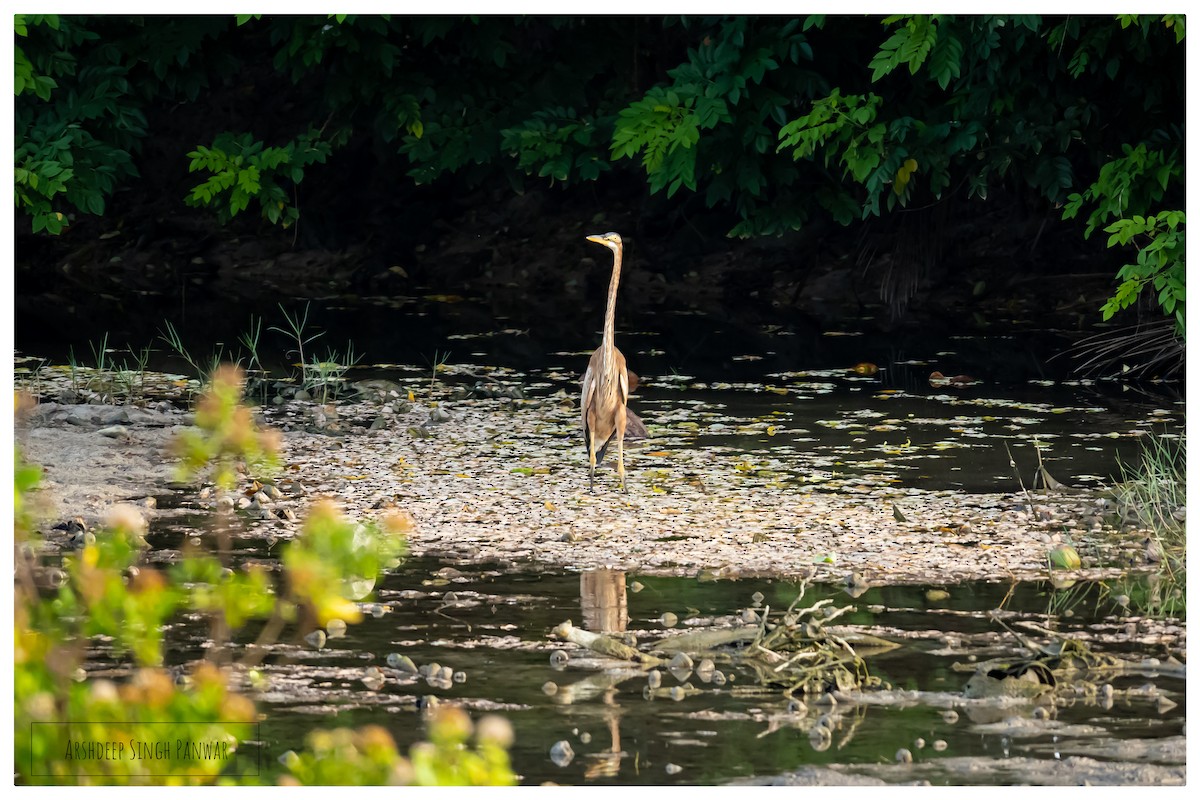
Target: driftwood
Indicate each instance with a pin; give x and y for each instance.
(604, 645)
(703, 640)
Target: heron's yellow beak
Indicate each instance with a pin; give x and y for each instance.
(597, 238)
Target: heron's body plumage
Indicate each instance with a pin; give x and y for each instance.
(607, 383)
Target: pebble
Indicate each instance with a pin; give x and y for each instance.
(114, 417)
(827, 699)
(559, 659)
(673, 769)
(904, 756)
(919, 743)
(796, 706)
(636, 587)
(718, 678)
(316, 639)
(242, 502)
(549, 688)
(373, 679)
(939, 745)
(654, 679)
(302, 395)
(261, 498)
(115, 432)
(950, 717)
(460, 677)
(668, 620)
(757, 598)
(402, 663)
(561, 753)
(681, 661)
(336, 628)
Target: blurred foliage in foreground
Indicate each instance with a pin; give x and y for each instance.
(775, 120)
(105, 600)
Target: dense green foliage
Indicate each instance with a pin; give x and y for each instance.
(774, 121)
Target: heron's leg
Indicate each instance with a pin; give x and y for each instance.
(621, 453)
(591, 443)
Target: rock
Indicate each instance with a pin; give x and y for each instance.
(81, 415)
(681, 661)
(903, 756)
(561, 753)
(316, 639)
(114, 417)
(115, 432)
(336, 628)
(402, 663)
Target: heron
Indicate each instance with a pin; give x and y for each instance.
(607, 384)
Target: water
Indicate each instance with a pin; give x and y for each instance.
(771, 394)
(498, 635)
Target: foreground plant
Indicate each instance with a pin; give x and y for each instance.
(188, 726)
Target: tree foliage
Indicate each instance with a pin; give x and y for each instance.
(773, 121)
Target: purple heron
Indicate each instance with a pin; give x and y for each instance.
(607, 384)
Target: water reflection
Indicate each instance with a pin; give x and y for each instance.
(602, 597)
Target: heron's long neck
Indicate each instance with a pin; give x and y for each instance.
(610, 314)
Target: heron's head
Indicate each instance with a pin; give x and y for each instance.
(610, 240)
